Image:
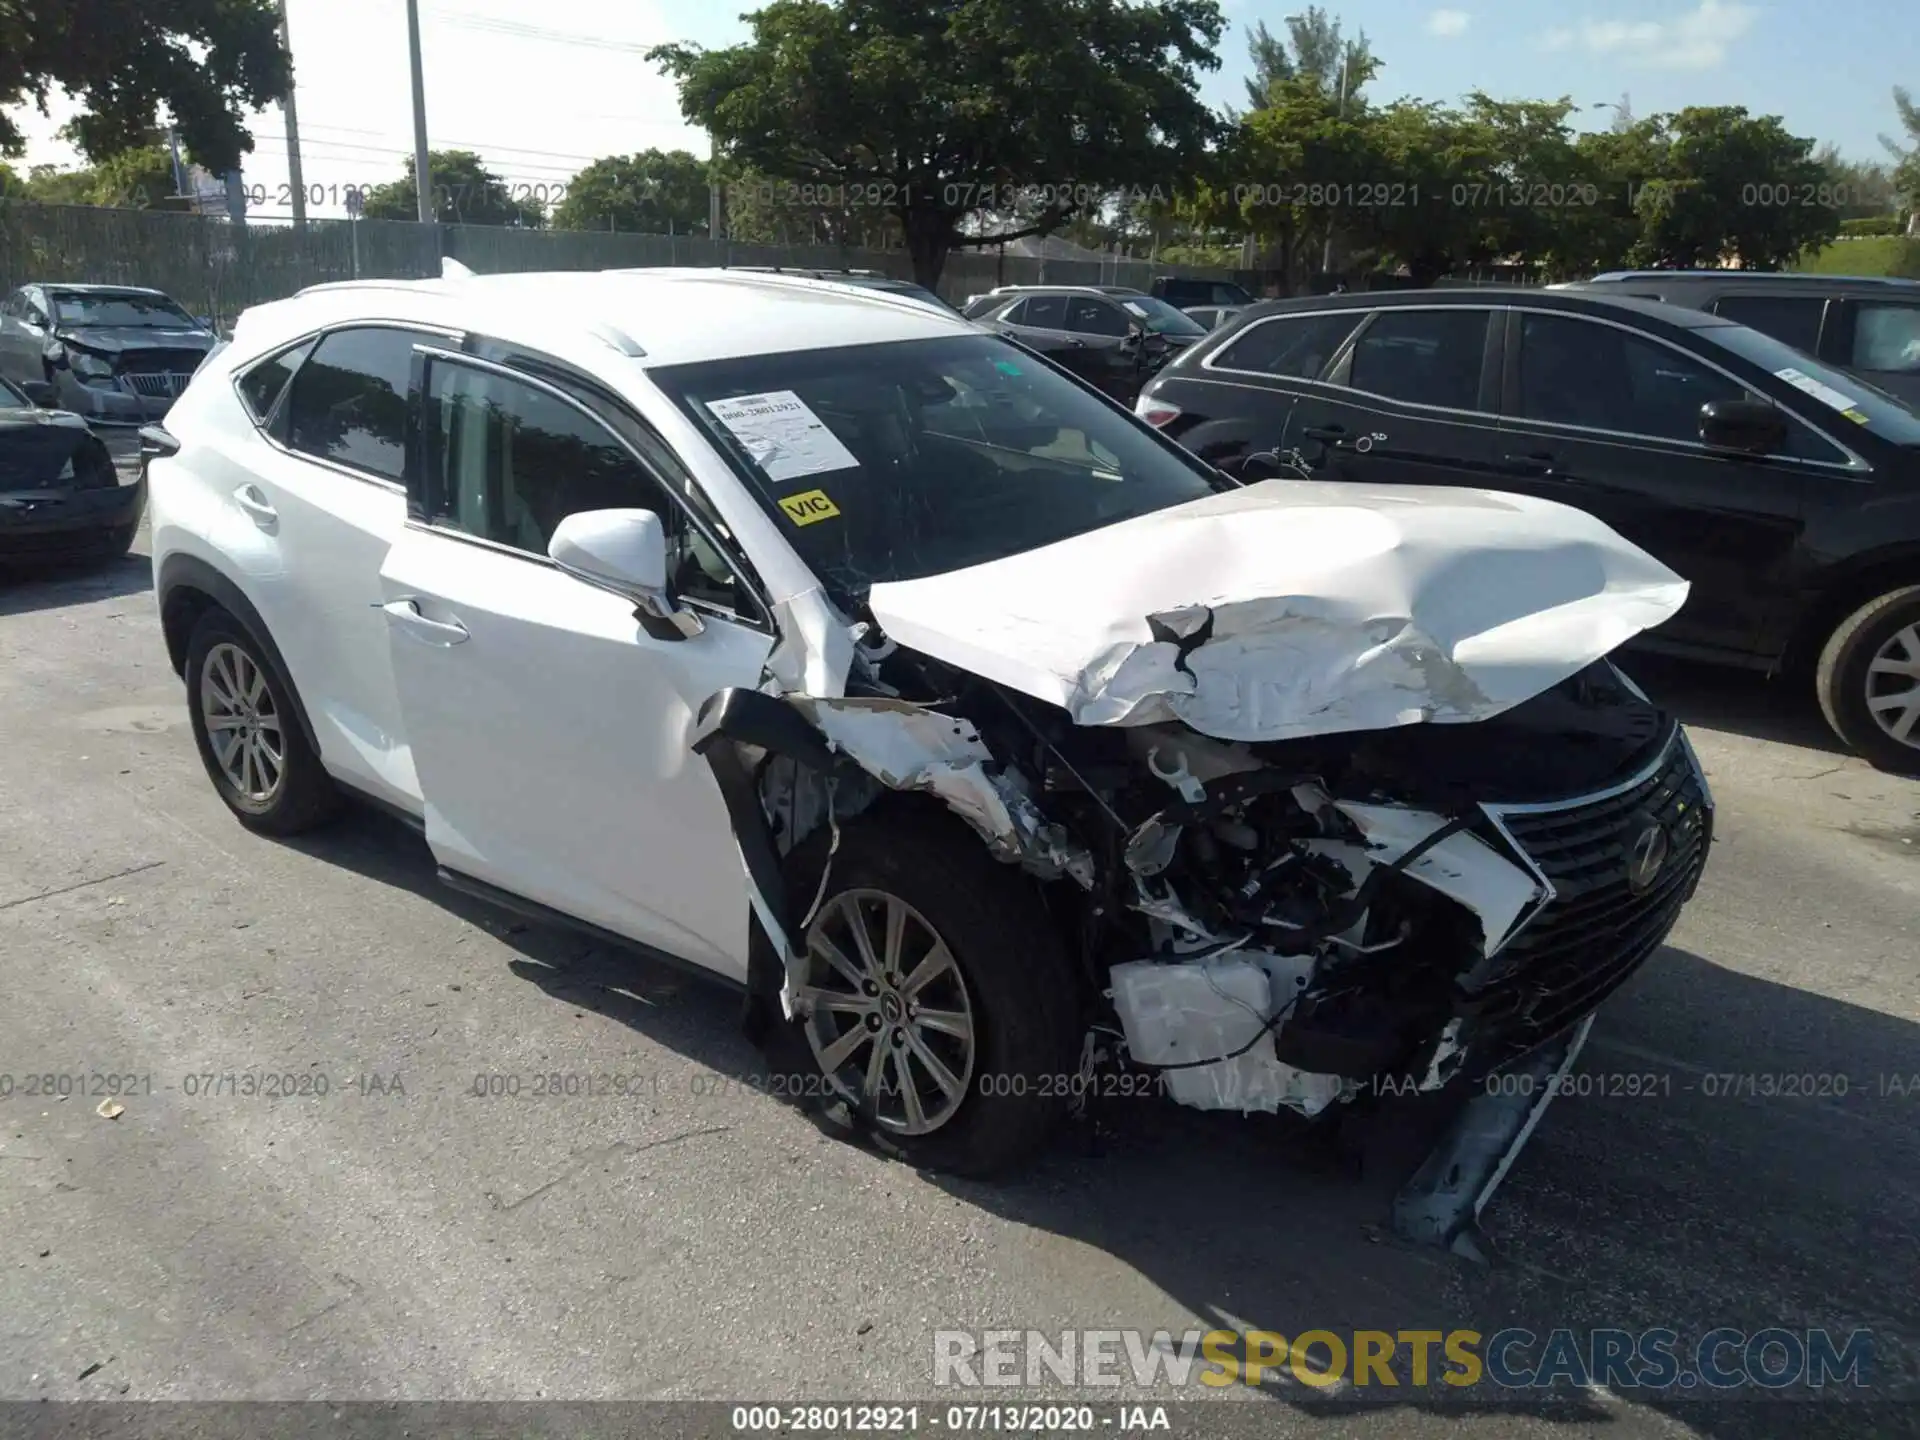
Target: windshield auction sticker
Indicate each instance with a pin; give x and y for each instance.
(784, 437)
(1825, 394)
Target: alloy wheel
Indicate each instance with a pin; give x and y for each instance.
(243, 724)
(886, 1011)
(1893, 686)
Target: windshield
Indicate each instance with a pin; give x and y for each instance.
(1159, 317)
(1837, 392)
(125, 309)
(891, 462)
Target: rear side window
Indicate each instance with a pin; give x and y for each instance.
(1424, 357)
(1792, 318)
(1297, 347)
(1887, 337)
(1044, 312)
(1095, 317)
(261, 385)
(349, 402)
(1599, 377)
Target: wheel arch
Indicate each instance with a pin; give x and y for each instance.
(1843, 590)
(187, 587)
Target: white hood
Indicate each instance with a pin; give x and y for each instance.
(1333, 608)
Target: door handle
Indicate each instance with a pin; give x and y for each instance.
(406, 613)
(1334, 437)
(250, 499)
(1537, 463)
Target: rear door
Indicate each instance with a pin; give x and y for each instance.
(1235, 404)
(22, 334)
(1411, 400)
(1114, 359)
(550, 730)
(326, 490)
(1879, 340)
(1606, 418)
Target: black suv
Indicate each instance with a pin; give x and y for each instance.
(1111, 336)
(1787, 492)
(1186, 292)
(1866, 324)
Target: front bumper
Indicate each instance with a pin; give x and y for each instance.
(121, 405)
(51, 526)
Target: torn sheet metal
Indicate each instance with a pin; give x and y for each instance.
(1175, 1015)
(1294, 608)
(909, 747)
(816, 647)
(1461, 867)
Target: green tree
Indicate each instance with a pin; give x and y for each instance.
(654, 192)
(134, 179)
(1906, 157)
(1731, 187)
(465, 192)
(207, 63)
(951, 112)
(762, 209)
(1857, 189)
(1423, 211)
(1312, 47)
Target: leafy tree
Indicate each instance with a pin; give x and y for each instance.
(654, 192)
(1312, 48)
(1429, 217)
(1906, 171)
(207, 62)
(1731, 187)
(963, 109)
(762, 209)
(133, 179)
(465, 192)
(1858, 189)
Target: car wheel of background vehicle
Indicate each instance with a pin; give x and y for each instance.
(1869, 681)
(248, 734)
(939, 1019)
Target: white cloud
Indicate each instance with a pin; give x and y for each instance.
(1448, 23)
(1696, 40)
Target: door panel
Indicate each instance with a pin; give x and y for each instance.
(552, 744)
(1601, 417)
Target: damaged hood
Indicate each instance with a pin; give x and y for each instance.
(1294, 608)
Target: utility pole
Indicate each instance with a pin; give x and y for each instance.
(296, 184)
(1326, 250)
(713, 186)
(422, 170)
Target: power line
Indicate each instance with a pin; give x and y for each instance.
(519, 30)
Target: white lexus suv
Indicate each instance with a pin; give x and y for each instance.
(998, 749)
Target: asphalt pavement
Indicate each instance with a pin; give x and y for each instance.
(410, 1236)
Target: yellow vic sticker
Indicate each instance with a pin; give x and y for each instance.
(806, 508)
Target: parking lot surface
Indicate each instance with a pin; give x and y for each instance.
(418, 1232)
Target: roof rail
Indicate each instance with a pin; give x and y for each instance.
(1748, 276)
(332, 285)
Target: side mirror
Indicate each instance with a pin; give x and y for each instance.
(1750, 426)
(42, 394)
(624, 551)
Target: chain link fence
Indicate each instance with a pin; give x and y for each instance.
(216, 268)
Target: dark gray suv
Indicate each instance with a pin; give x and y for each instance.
(1868, 325)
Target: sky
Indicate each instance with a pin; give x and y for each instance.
(540, 87)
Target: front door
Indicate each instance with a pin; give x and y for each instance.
(550, 731)
(1607, 419)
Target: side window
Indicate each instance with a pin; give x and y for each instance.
(349, 402)
(1792, 318)
(1296, 347)
(32, 311)
(1578, 372)
(510, 461)
(1887, 337)
(261, 385)
(1046, 312)
(1088, 316)
(1424, 357)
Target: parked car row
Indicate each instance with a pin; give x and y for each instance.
(1786, 492)
(865, 659)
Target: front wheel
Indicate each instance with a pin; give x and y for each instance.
(938, 1014)
(1868, 680)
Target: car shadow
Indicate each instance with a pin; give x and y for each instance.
(25, 588)
(1674, 1195)
(1781, 709)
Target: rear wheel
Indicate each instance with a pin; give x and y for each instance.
(937, 1018)
(249, 735)
(1868, 680)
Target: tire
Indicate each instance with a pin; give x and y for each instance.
(1018, 984)
(223, 656)
(1847, 683)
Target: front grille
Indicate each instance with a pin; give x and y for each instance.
(1597, 929)
(168, 362)
(165, 384)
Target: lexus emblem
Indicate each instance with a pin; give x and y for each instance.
(1647, 858)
